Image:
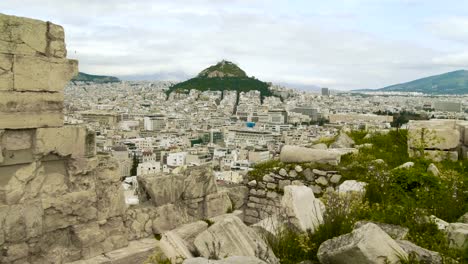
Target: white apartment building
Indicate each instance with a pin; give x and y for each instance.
(176, 159)
(249, 137)
(155, 122)
(148, 167)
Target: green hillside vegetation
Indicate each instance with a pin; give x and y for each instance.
(402, 197)
(84, 77)
(448, 83)
(239, 84)
(224, 76)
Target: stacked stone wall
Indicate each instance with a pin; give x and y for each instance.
(265, 196)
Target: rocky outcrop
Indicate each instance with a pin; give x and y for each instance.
(367, 244)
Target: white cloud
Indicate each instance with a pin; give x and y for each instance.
(179, 38)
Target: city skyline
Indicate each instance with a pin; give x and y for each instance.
(342, 45)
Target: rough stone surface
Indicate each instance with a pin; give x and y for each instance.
(367, 244)
(335, 178)
(283, 172)
(457, 234)
(343, 141)
(394, 231)
(302, 207)
(174, 247)
(432, 168)
(320, 146)
(463, 218)
(300, 154)
(352, 186)
(322, 181)
(421, 254)
(229, 260)
(406, 165)
(231, 237)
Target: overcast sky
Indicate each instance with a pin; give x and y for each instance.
(341, 44)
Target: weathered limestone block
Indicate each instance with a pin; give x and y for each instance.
(168, 217)
(422, 255)
(42, 74)
(229, 260)
(301, 154)
(54, 247)
(15, 252)
(19, 35)
(30, 110)
(162, 188)
(366, 245)
(53, 178)
(22, 221)
(17, 139)
(457, 234)
(343, 141)
(69, 209)
(189, 232)
(320, 146)
(439, 155)
(238, 195)
(6, 71)
(199, 182)
(302, 207)
(109, 191)
(63, 141)
(89, 237)
(394, 231)
(431, 135)
(231, 237)
(116, 234)
(217, 204)
(13, 180)
(352, 186)
(174, 247)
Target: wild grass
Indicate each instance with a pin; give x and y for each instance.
(405, 197)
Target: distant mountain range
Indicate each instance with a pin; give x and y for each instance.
(84, 77)
(225, 75)
(455, 82)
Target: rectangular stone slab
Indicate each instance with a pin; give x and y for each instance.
(42, 73)
(30, 110)
(19, 35)
(17, 120)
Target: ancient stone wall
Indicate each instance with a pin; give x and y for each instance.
(438, 139)
(265, 196)
(59, 201)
